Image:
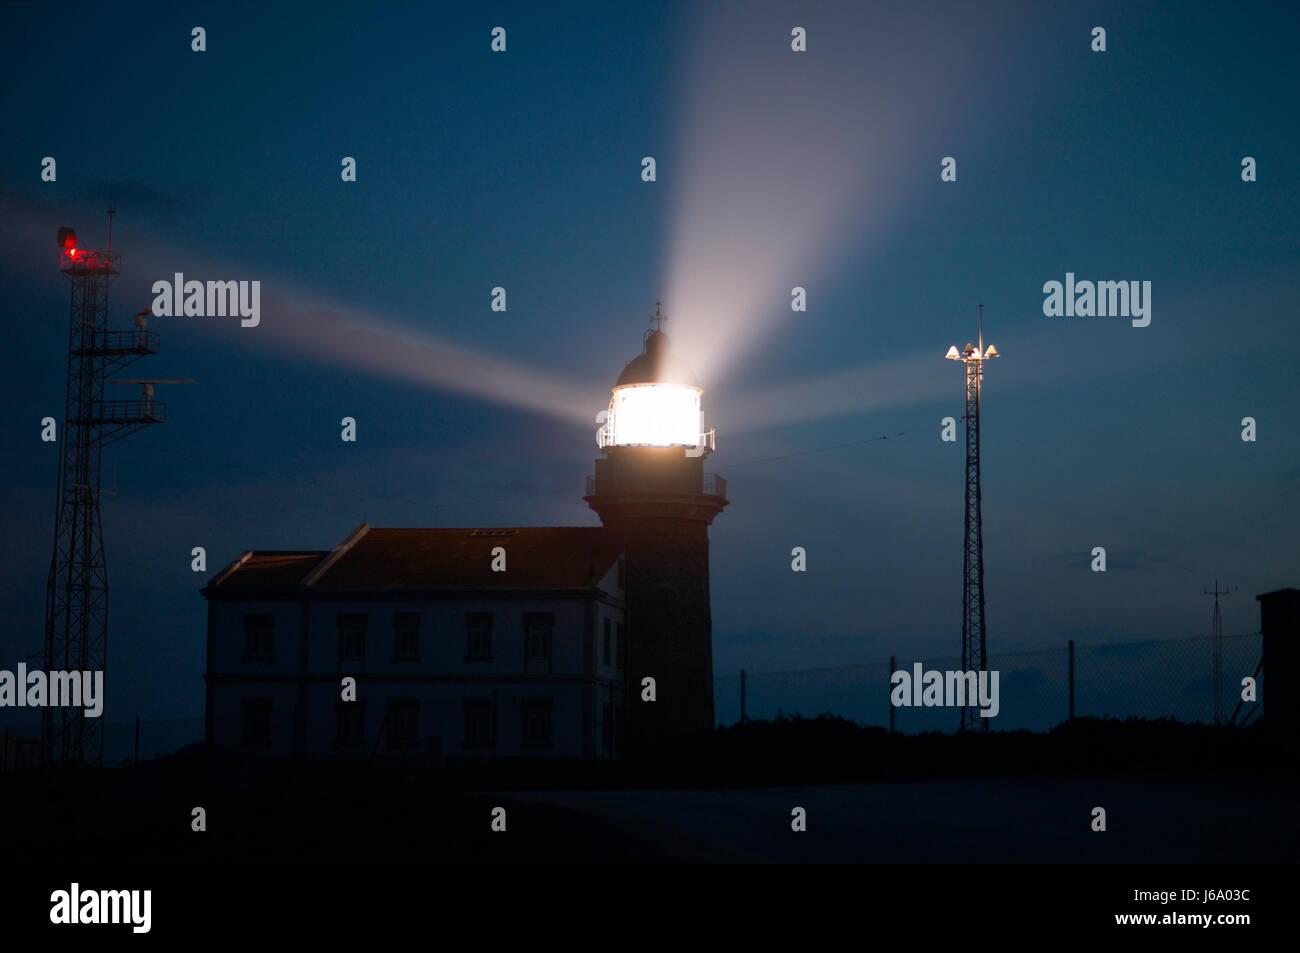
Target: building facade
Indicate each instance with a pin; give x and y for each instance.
(459, 643)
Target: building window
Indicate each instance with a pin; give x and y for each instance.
(538, 627)
(621, 661)
(406, 637)
(478, 627)
(258, 627)
(478, 723)
(537, 723)
(403, 724)
(608, 640)
(350, 724)
(352, 636)
(257, 722)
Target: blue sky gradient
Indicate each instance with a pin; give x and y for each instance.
(820, 169)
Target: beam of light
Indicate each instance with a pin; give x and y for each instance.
(788, 160)
(345, 336)
(295, 321)
(358, 339)
(921, 378)
(1042, 358)
(853, 390)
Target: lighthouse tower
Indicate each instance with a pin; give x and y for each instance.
(651, 492)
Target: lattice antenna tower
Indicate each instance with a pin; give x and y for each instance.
(76, 608)
(1217, 630)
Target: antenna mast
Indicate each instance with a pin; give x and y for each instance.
(1217, 630)
(76, 595)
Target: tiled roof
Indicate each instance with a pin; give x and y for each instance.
(270, 569)
(544, 557)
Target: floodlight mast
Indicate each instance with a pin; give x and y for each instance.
(974, 649)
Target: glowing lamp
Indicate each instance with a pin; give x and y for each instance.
(68, 238)
(655, 403)
(654, 415)
(952, 354)
(990, 351)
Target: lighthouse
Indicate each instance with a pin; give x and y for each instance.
(652, 495)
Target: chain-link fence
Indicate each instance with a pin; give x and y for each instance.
(1036, 688)
(124, 741)
(156, 736)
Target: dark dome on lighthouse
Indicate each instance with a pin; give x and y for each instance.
(657, 365)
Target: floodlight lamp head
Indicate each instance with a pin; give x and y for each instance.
(990, 351)
(968, 350)
(952, 354)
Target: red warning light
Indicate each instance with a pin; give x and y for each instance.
(67, 238)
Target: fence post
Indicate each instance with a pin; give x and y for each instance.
(1072, 680)
(136, 759)
(890, 696)
(742, 695)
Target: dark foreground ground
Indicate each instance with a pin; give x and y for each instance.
(1172, 794)
(1004, 820)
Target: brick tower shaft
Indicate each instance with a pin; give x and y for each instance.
(658, 503)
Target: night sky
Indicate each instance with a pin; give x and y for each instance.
(774, 169)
